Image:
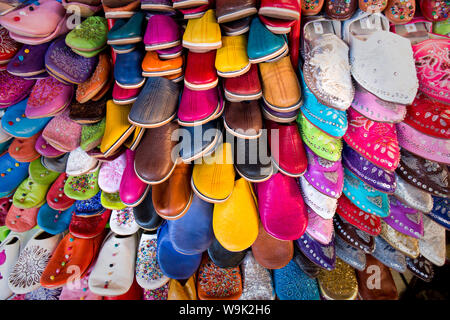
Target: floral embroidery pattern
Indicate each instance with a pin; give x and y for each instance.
(45, 91)
(44, 294)
(29, 267)
(7, 45)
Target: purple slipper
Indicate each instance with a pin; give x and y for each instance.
(61, 61)
(404, 219)
(372, 175)
(326, 176)
(322, 255)
(45, 149)
(29, 61)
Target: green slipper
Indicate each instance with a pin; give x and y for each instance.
(318, 141)
(40, 174)
(90, 36)
(4, 231)
(88, 54)
(442, 27)
(112, 201)
(92, 134)
(30, 194)
(82, 187)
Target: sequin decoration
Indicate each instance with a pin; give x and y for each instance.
(257, 281)
(218, 282)
(157, 294)
(147, 267)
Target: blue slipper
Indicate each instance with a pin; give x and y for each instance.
(54, 221)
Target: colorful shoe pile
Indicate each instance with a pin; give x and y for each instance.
(182, 149)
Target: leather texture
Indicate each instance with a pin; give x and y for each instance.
(227, 11)
(154, 162)
(145, 214)
(224, 258)
(243, 119)
(156, 104)
(200, 70)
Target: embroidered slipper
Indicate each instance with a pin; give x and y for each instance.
(236, 47)
(172, 263)
(412, 196)
(430, 176)
(97, 82)
(319, 142)
(54, 221)
(215, 283)
(21, 220)
(90, 207)
(429, 117)
(365, 197)
(431, 75)
(434, 10)
(326, 69)
(90, 35)
(324, 256)
(390, 77)
(312, 8)
(122, 222)
(350, 255)
(432, 245)
(423, 145)
(63, 62)
(441, 212)
(244, 87)
(30, 194)
(79, 163)
(331, 121)
(23, 150)
(62, 133)
(372, 6)
(224, 258)
(89, 227)
(291, 283)
(369, 223)
(257, 280)
(82, 187)
(326, 176)
(34, 258)
(318, 228)
(92, 135)
(375, 141)
(29, 61)
(353, 236)
(375, 109)
(387, 255)
(404, 219)
(400, 12)
(421, 268)
(148, 273)
(322, 204)
(8, 48)
(339, 283)
(111, 174)
(376, 177)
(340, 9)
(405, 244)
